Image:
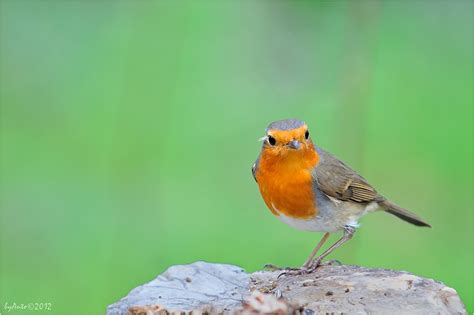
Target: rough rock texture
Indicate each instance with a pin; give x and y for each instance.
(215, 288)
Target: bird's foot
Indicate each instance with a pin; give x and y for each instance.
(304, 270)
(307, 268)
(272, 267)
(313, 265)
(286, 270)
(316, 263)
(295, 271)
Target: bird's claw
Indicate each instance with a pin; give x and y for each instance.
(272, 267)
(310, 268)
(318, 263)
(296, 272)
(313, 265)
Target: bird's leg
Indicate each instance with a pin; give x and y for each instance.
(306, 268)
(272, 267)
(315, 250)
(348, 233)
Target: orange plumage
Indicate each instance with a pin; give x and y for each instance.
(284, 176)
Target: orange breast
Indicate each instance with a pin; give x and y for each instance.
(286, 183)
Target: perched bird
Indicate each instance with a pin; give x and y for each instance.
(310, 189)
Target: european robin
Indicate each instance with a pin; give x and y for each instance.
(310, 189)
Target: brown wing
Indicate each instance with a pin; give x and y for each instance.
(339, 181)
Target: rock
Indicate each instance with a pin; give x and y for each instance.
(217, 288)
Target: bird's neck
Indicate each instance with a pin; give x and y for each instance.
(286, 182)
(290, 160)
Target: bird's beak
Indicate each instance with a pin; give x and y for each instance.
(295, 144)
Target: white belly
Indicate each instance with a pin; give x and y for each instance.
(340, 215)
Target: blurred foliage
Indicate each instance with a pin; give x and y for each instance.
(128, 129)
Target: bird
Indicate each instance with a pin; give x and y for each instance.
(310, 189)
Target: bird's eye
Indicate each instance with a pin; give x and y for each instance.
(271, 140)
(306, 135)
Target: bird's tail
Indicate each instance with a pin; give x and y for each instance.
(402, 213)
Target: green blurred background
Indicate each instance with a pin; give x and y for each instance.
(128, 129)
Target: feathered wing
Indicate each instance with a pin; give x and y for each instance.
(337, 180)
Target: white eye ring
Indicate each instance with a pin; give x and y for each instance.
(263, 138)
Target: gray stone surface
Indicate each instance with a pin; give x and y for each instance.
(216, 288)
(196, 286)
